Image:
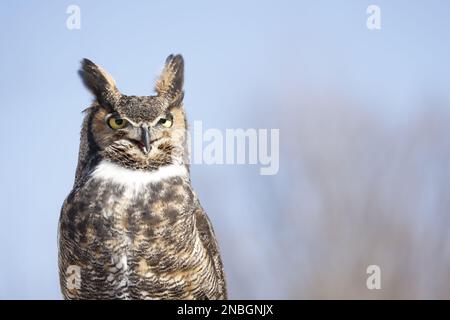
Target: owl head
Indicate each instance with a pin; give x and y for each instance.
(137, 132)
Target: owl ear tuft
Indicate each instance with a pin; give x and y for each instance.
(98, 81)
(170, 82)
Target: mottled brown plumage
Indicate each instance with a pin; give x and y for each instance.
(132, 227)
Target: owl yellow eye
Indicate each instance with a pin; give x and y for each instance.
(165, 122)
(117, 123)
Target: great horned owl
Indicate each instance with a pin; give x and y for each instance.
(132, 227)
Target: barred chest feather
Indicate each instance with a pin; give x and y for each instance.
(133, 235)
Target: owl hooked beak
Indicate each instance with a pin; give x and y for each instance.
(145, 140)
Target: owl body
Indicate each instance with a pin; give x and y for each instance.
(132, 225)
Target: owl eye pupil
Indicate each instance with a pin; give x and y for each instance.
(117, 123)
(166, 122)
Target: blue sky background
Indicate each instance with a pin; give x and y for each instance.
(241, 57)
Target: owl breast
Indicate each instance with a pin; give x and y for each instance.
(133, 235)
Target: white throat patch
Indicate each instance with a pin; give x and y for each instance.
(106, 170)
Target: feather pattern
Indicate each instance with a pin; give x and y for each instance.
(132, 227)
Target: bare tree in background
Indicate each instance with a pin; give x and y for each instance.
(355, 189)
